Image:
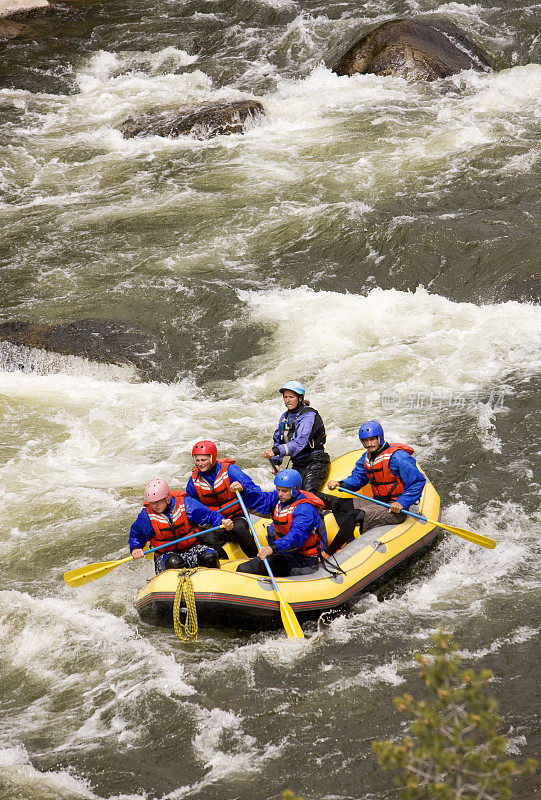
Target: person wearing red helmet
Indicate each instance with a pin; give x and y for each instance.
(168, 515)
(214, 483)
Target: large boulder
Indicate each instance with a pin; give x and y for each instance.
(105, 341)
(413, 49)
(201, 123)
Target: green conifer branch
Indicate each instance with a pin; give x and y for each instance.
(453, 750)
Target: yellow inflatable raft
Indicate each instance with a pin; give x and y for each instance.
(228, 598)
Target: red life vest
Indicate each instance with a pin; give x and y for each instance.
(385, 484)
(283, 517)
(220, 494)
(166, 529)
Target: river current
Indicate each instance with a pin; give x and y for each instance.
(376, 239)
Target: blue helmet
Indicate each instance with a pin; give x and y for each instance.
(371, 428)
(289, 479)
(293, 386)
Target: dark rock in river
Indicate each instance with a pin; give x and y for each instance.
(202, 122)
(11, 10)
(413, 49)
(98, 340)
(11, 30)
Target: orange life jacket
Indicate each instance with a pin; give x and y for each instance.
(220, 494)
(283, 517)
(385, 484)
(166, 529)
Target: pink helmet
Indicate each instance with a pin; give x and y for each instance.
(156, 489)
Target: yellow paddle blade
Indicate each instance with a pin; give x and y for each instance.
(78, 577)
(82, 575)
(470, 536)
(290, 621)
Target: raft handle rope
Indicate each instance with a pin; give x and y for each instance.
(326, 566)
(188, 630)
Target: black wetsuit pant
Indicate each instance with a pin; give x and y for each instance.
(313, 470)
(241, 534)
(346, 516)
(281, 564)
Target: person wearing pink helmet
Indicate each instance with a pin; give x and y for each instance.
(168, 515)
(214, 483)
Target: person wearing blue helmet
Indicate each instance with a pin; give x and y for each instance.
(393, 475)
(301, 436)
(293, 537)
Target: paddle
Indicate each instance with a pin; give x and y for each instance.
(470, 536)
(290, 621)
(82, 575)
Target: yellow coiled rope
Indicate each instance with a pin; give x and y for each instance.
(186, 631)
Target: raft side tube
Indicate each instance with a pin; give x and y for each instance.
(228, 598)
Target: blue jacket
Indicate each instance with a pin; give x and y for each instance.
(401, 464)
(197, 513)
(296, 445)
(305, 519)
(252, 492)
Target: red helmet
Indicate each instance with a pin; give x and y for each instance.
(206, 448)
(156, 489)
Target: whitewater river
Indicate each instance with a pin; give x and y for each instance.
(373, 238)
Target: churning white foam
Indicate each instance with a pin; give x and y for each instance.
(270, 648)
(224, 747)
(98, 649)
(367, 136)
(377, 354)
(388, 673)
(19, 775)
(360, 357)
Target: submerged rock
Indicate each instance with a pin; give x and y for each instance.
(202, 123)
(413, 49)
(18, 358)
(11, 30)
(98, 340)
